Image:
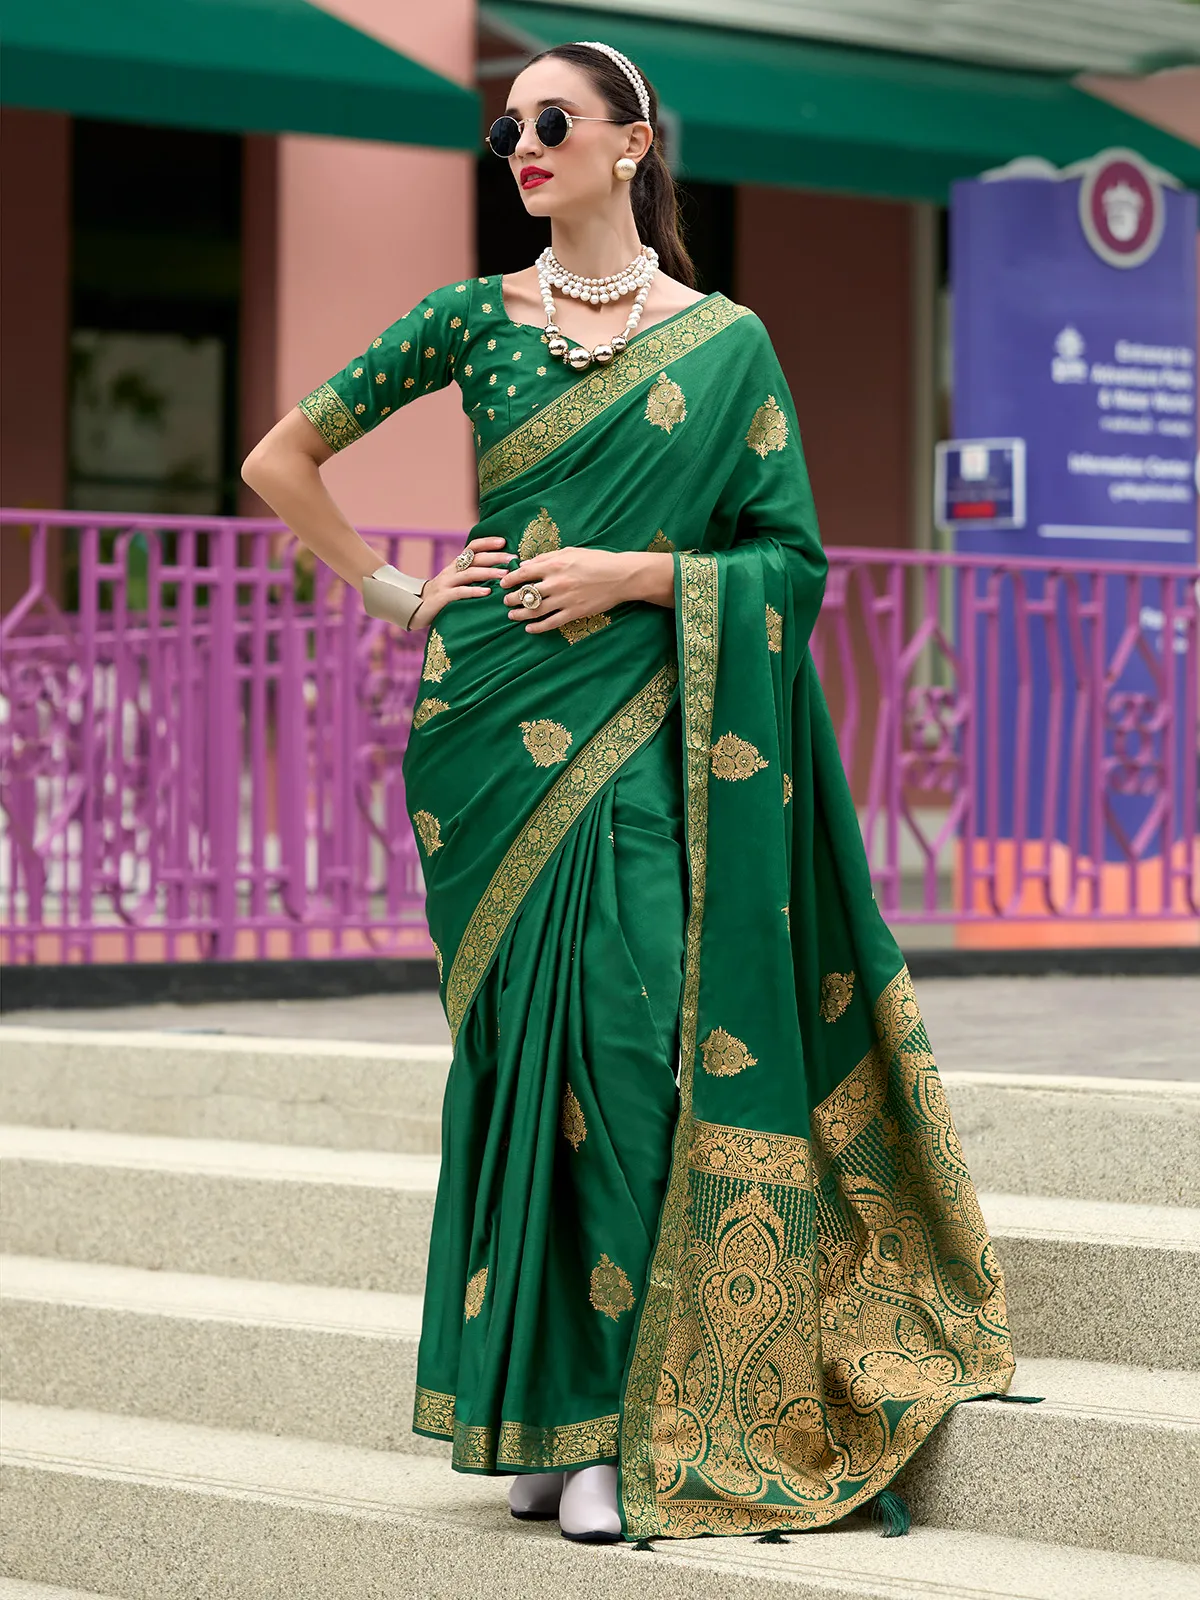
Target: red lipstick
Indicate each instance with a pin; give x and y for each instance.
(532, 176)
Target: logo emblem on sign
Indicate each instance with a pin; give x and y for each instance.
(1121, 208)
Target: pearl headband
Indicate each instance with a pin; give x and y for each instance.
(628, 68)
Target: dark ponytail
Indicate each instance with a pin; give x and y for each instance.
(655, 203)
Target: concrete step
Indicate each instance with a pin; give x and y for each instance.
(336, 1364)
(142, 1508)
(343, 1095)
(18, 1589)
(1096, 1281)
(1092, 1138)
(358, 1219)
(339, 1365)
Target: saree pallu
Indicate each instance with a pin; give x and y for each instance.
(702, 1207)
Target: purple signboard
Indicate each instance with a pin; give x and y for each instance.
(1074, 329)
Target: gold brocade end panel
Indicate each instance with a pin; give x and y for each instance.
(516, 1445)
(810, 1331)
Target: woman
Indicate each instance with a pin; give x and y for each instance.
(705, 1256)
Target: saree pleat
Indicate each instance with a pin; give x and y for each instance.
(702, 1208)
(557, 1122)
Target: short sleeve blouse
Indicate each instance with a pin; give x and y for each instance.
(460, 332)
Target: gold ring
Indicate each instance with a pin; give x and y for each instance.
(531, 596)
(464, 560)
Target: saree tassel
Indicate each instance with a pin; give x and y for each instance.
(644, 1544)
(891, 1511)
(774, 1537)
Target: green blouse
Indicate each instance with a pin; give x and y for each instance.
(460, 332)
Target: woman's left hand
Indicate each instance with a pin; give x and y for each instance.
(574, 583)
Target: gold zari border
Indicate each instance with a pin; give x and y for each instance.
(577, 784)
(331, 417)
(583, 402)
(514, 1444)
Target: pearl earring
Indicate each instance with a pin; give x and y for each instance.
(624, 168)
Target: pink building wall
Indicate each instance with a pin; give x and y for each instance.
(363, 231)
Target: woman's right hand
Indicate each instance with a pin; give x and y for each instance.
(451, 583)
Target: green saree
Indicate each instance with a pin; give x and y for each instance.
(702, 1207)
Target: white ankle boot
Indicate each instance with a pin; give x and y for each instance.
(533, 1496)
(588, 1511)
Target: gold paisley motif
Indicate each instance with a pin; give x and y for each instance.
(540, 536)
(429, 707)
(574, 1128)
(724, 1055)
(768, 428)
(836, 990)
(514, 1444)
(665, 404)
(578, 783)
(774, 630)
(331, 417)
(430, 830)
(610, 1291)
(581, 627)
(546, 741)
(437, 662)
(734, 758)
(594, 392)
(476, 1289)
(661, 544)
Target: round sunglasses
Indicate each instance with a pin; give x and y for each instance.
(552, 125)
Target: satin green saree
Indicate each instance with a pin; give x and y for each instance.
(702, 1207)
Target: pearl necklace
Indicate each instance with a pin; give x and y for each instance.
(638, 275)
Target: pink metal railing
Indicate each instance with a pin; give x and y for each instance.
(203, 734)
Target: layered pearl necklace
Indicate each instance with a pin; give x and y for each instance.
(637, 276)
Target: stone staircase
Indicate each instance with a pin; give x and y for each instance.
(211, 1305)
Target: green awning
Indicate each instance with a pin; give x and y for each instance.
(252, 66)
(760, 108)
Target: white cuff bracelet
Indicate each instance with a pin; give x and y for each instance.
(391, 595)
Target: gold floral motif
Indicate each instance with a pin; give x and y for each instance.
(456, 322)
(375, 343)
(724, 1055)
(331, 417)
(774, 630)
(491, 344)
(546, 741)
(787, 787)
(836, 990)
(459, 288)
(429, 707)
(665, 404)
(429, 352)
(358, 372)
(487, 305)
(491, 414)
(408, 382)
(516, 355)
(579, 782)
(383, 410)
(491, 377)
(359, 409)
(583, 401)
(476, 1289)
(429, 829)
(406, 346)
(574, 1128)
(744, 1154)
(580, 627)
(661, 544)
(541, 372)
(469, 370)
(842, 1115)
(512, 389)
(515, 1444)
(768, 428)
(540, 536)
(428, 312)
(437, 662)
(437, 956)
(610, 1292)
(735, 759)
